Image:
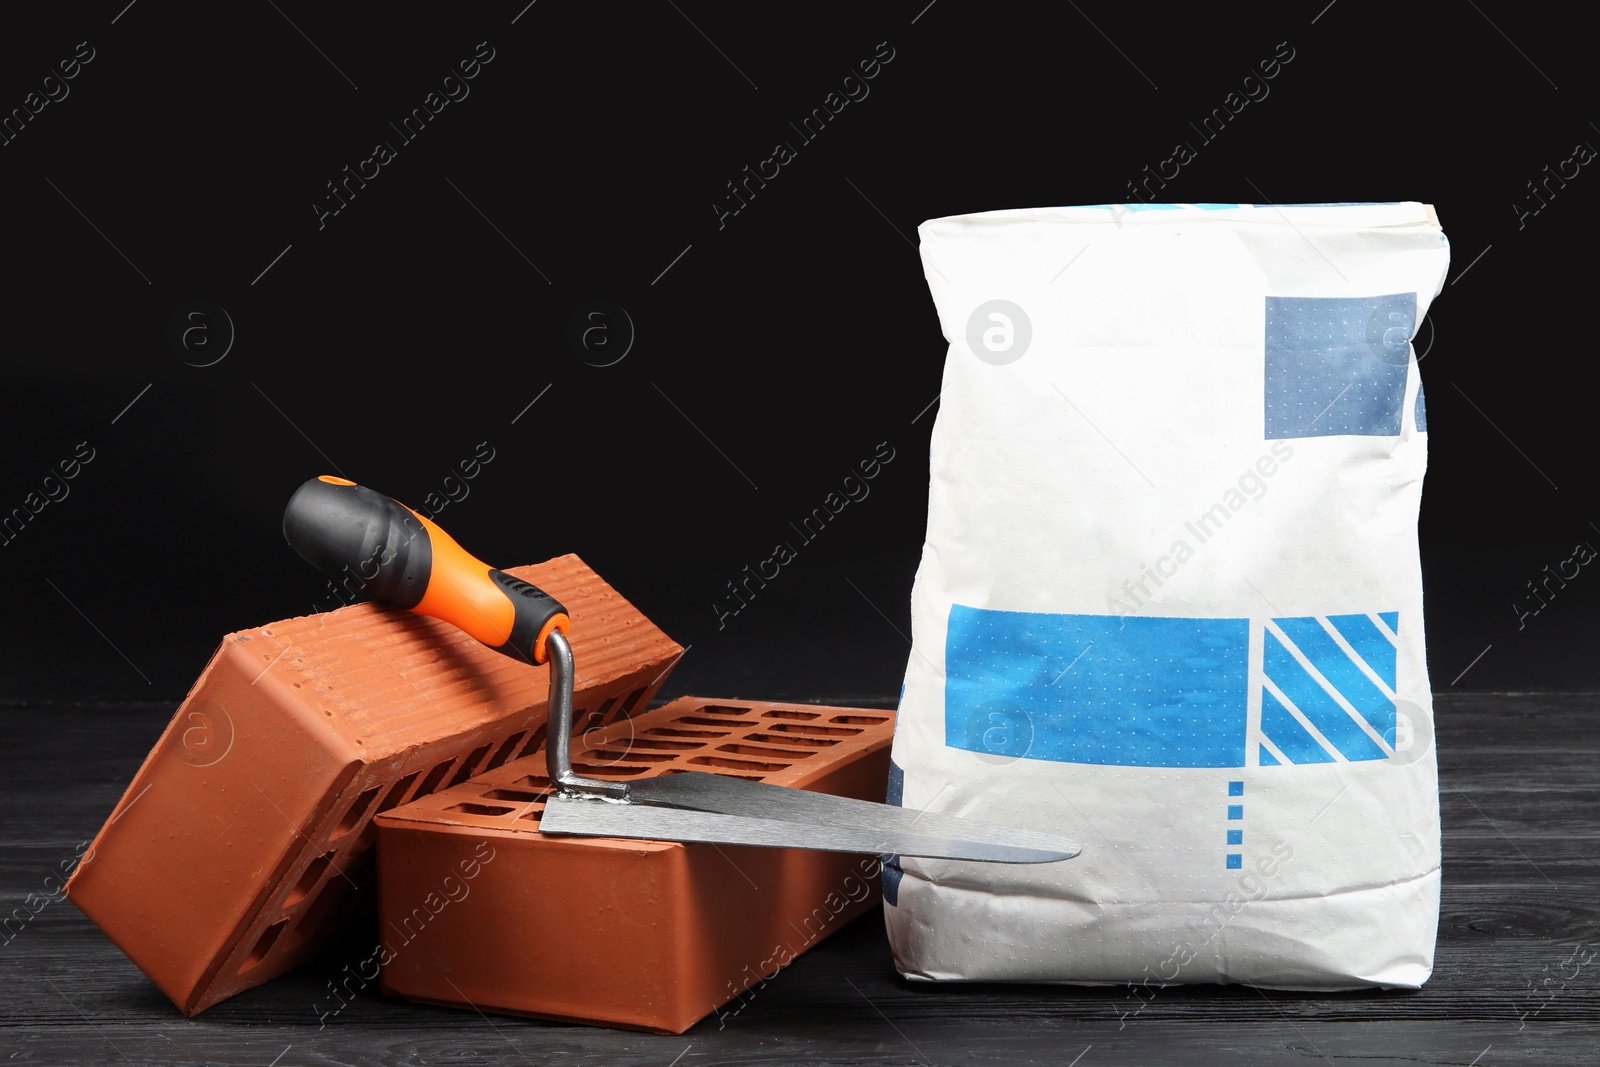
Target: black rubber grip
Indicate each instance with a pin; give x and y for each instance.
(366, 541)
(534, 608)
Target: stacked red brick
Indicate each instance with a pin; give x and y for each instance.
(478, 909)
(245, 839)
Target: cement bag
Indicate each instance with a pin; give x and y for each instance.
(1170, 602)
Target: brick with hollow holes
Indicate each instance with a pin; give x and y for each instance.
(478, 910)
(244, 841)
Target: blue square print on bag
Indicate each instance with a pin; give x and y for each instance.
(1337, 365)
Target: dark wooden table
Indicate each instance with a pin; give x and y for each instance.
(1517, 976)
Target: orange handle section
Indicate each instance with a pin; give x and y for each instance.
(461, 593)
(503, 612)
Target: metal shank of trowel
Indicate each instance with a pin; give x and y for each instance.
(558, 733)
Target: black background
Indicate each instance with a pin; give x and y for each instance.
(772, 351)
(772, 354)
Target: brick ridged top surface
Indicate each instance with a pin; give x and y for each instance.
(784, 744)
(433, 673)
(244, 842)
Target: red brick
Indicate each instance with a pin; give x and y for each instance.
(478, 909)
(244, 841)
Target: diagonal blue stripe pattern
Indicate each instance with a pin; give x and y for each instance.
(1320, 709)
(1285, 731)
(1341, 672)
(1369, 642)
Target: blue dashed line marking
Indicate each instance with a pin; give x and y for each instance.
(1235, 860)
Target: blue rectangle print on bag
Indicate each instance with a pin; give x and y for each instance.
(1337, 365)
(1105, 689)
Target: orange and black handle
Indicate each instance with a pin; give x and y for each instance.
(394, 555)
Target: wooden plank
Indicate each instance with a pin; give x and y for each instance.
(1517, 976)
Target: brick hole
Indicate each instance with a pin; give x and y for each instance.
(603, 715)
(696, 720)
(435, 776)
(632, 757)
(632, 700)
(520, 795)
(815, 731)
(503, 753)
(264, 943)
(864, 720)
(667, 731)
(308, 880)
(793, 739)
(481, 809)
(737, 764)
(719, 774)
(676, 746)
(779, 713)
(762, 750)
(533, 781)
(353, 814)
(397, 793)
(604, 768)
(465, 770)
(535, 739)
(724, 709)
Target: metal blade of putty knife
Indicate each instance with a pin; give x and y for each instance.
(816, 818)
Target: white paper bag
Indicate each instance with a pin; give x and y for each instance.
(1170, 602)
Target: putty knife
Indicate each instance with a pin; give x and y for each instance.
(376, 545)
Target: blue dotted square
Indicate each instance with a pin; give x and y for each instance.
(1235, 811)
(1235, 861)
(1236, 789)
(1235, 837)
(1337, 365)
